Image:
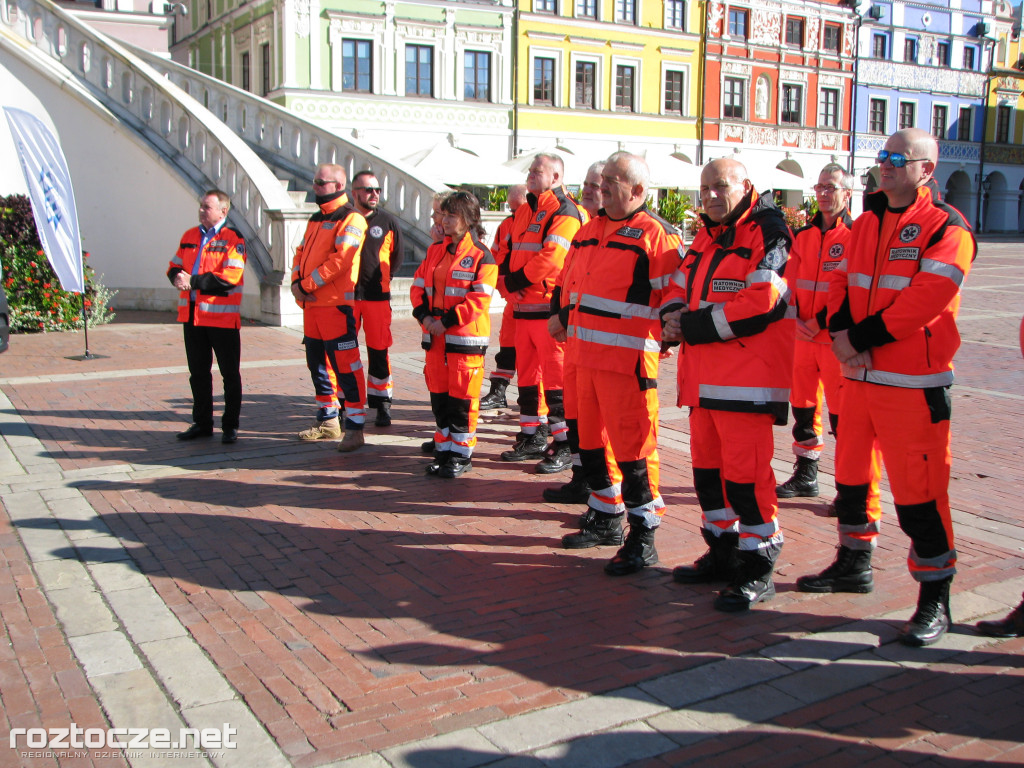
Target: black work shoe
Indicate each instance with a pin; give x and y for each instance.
(383, 415)
(719, 563)
(1011, 626)
(830, 510)
(576, 491)
(526, 447)
(931, 619)
(636, 553)
(849, 572)
(230, 436)
(195, 431)
(600, 529)
(804, 481)
(434, 467)
(428, 447)
(586, 517)
(495, 399)
(454, 466)
(753, 582)
(556, 458)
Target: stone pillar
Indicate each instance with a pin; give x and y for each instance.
(277, 307)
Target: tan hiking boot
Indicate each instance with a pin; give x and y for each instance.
(352, 441)
(322, 430)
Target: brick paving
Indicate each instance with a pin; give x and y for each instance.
(356, 606)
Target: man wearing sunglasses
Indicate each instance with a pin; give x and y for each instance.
(892, 316)
(379, 260)
(324, 277)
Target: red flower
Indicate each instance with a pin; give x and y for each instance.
(46, 285)
(38, 253)
(32, 263)
(88, 303)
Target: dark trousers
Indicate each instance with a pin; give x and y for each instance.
(201, 344)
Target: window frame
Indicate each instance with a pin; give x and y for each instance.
(618, 68)
(266, 68)
(786, 90)
(1004, 128)
(553, 101)
(669, 21)
(911, 50)
(802, 31)
(876, 38)
(245, 70)
(944, 132)
(596, 94)
(940, 47)
(356, 43)
(633, 7)
(736, 14)
(547, 7)
(970, 52)
(683, 74)
(486, 99)
(419, 48)
(872, 111)
(826, 30)
(584, 15)
(906, 108)
(729, 93)
(969, 112)
(823, 103)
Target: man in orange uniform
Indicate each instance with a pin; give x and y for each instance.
(817, 250)
(208, 268)
(324, 277)
(893, 308)
(542, 231)
(619, 268)
(728, 307)
(379, 260)
(505, 359)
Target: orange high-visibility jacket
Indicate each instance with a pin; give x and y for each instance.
(456, 285)
(899, 299)
(611, 290)
(380, 258)
(541, 234)
(499, 250)
(218, 283)
(327, 260)
(738, 343)
(812, 260)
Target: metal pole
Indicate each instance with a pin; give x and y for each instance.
(703, 82)
(515, 79)
(984, 136)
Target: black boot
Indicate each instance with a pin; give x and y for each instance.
(434, 467)
(428, 447)
(383, 415)
(495, 399)
(556, 458)
(850, 572)
(526, 447)
(753, 582)
(454, 466)
(931, 619)
(1011, 626)
(804, 481)
(719, 563)
(637, 552)
(576, 491)
(599, 530)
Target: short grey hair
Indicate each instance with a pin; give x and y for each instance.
(847, 177)
(596, 167)
(634, 166)
(555, 160)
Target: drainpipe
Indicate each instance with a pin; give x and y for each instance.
(984, 138)
(515, 78)
(703, 82)
(856, 82)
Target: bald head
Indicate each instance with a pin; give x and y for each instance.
(723, 185)
(919, 143)
(920, 153)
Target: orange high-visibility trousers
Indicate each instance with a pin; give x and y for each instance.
(815, 374)
(539, 360)
(332, 356)
(374, 319)
(453, 380)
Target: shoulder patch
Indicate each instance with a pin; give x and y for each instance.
(774, 259)
(376, 232)
(541, 215)
(836, 251)
(910, 233)
(467, 262)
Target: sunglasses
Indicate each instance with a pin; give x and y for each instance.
(372, 190)
(897, 160)
(830, 188)
(322, 182)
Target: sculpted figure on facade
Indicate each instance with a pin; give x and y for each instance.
(716, 12)
(766, 26)
(761, 98)
(812, 40)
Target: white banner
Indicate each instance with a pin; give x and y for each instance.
(53, 200)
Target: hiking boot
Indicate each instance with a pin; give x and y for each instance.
(576, 491)
(437, 462)
(719, 563)
(556, 458)
(1011, 626)
(352, 441)
(601, 529)
(753, 582)
(804, 481)
(850, 572)
(636, 553)
(454, 466)
(322, 430)
(383, 415)
(931, 619)
(526, 447)
(495, 399)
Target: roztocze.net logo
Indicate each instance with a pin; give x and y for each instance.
(48, 182)
(76, 737)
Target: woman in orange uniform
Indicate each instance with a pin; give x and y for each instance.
(451, 299)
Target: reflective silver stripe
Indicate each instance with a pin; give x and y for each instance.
(451, 290)
(237, 263)
(767, 276)
(350, 296)
(841, 266)
(618, 340)
(659, 283)
(355, 242)
(753, 543)
(353, 230)
(419, 282)
(704, 304)
(236, 289)
(721, 515)
(791, 312)
(182, 302)
(426, 338)
(624, 309)
(531, 307)
(745, 394)
(574, 297)
(466, 341)
(557, 240)
(812, 285)
(893, 282)
(762, 531)
(722, 326)
(604, 500)
(317, 280)
(907, 380)
(223, 309)
(526, 246)
(679, 278)
(859, 280)
(177, 260)
(944, 562)
(935, 267)
(482, 288)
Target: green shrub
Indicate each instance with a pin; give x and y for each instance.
(37, 302)
(497, 198)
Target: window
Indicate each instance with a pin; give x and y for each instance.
(963, 125)
(795, 32)
(832, 34)
(356, 66)
(625, 77)
(477, 76)
(942, 54)
(419, 70)
(543, 81)
(828, 108)
(245, 71)
(939, 118)
(876, 116)
(910, 50)
(908, 114)
(265, 66)
(732, 98)
(625, 11)
(674, 93)
(792, 104)
(879, 44)
(1003, 123)
(586, 9)
(738, 23)
(586, 75)
(968, 57)
(675, 14)
(545, 6)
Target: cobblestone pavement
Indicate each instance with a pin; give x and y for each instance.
(347, 610)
